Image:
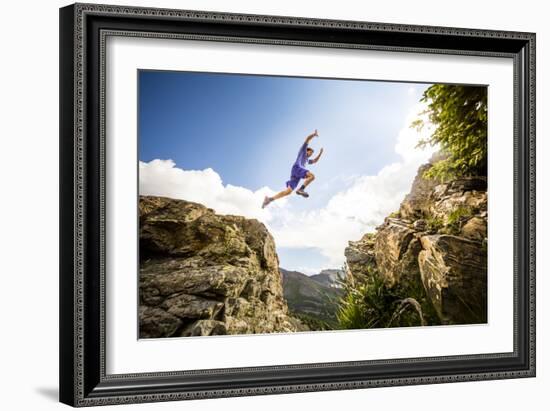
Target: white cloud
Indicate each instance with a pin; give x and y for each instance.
(347, 216)
(163, 178)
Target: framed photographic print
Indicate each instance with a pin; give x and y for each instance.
(264, 204)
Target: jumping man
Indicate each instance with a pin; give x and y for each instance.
(298, 172)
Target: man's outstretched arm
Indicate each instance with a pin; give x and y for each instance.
(311, 136)
(316, 158)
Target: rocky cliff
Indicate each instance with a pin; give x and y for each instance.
(207, 274)
(433, 249)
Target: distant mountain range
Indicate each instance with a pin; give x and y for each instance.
(329, 277)
(314, 298)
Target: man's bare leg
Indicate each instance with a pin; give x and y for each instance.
(280, 194)
(309, 178)
(307, 181)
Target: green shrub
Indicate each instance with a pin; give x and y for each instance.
(395, 214)
(459, 114)
(416, 291)
(313, 323)
(372, 304)
(456, 219)
(369, 304)
(351, 313)
(434, 224)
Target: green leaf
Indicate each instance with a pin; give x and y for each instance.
(459, 114)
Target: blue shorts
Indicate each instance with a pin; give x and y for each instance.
(296, 175)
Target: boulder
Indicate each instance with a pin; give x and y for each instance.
(454, 273)
(475, 229)
(155, 322)
(416, 203)
(191, 306)
(430, 198)
(207, 274)
(396, 249)
(420, 225)
(469, 203)
(360, 258)
(204, 327)
(463, 184)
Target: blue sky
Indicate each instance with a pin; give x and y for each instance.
(248, 129)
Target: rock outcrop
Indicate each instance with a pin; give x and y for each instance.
(454, 273)
(207, 274)
(360, 259)
(433, 249)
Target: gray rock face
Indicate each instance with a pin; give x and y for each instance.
(420, 225)
(434, 248)
(207, 274)
(395, 241)
(419, 198)
(475, 229)
(204, 327)
(468, 202)
(191, 306)
(454, 273)
(360, 257)
(155, 322)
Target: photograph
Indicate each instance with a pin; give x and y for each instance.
(282, 204)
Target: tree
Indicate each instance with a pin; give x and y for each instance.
(459, 114)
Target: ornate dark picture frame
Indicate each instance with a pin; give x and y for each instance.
(83, 30)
